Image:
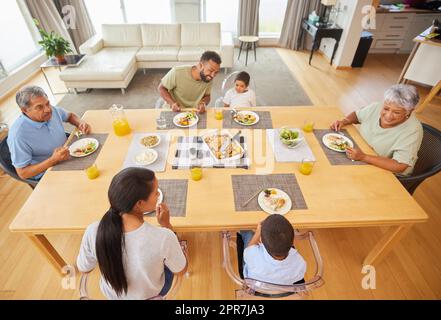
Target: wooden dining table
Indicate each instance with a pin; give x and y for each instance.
(337, 196)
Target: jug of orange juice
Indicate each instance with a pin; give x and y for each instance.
(120, 123)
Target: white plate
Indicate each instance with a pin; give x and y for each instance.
(330, 146)
(150, 135)
(285, 209)
(182, 114)
(81, 144)
(222, 132)
(146, 162)
(245, 113)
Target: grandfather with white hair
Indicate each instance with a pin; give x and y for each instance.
(390, 128)
(37, 137)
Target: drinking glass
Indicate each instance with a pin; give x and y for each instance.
(196, 173)
(306, 166)
(308, 125)
(161, 123)
(92, 172)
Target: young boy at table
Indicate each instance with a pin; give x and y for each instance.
(240, 96)
(269, 254)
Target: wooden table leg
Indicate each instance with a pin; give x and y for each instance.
(409, 60)
(386, 244)
(45, 247)
(430, 96)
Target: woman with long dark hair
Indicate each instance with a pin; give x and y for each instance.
(137, 260)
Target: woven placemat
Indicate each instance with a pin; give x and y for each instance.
(265, 121)
(336, 158)
(175, 196)
(169, 115)
(245, 186)
(85, 162)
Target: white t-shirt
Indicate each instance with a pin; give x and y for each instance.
(259, 265)
(147, 250)
(246, 99)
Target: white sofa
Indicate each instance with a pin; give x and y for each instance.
(113, 57)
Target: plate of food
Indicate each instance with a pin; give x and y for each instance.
(146, 157)
(83, 147)
(222, 147)
(337, 142)
(274, 201)
(246, 118)
(150, 141)
(186, 119)
(291, 138)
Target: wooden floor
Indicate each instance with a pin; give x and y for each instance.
(411, 271)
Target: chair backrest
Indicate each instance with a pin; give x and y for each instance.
(171, 294)
(228, 83)
(255, 289)
(429, 155)
(429, 159)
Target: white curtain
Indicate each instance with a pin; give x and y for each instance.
(79, 25)
(248, 23)
(47, 14)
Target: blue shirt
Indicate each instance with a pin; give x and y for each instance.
(31, 142)
(259, 265)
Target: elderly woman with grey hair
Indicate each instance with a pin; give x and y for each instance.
(37, 137)
(390, 128)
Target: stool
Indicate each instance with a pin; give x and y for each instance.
(249, 41)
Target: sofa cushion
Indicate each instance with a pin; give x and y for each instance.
(194, 53)
(158, 54)
(121, 35)
(200, 34)
(109, 64)
(161, 35)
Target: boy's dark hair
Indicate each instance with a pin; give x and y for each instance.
(244, 77)
(277, 235)
(211, 55)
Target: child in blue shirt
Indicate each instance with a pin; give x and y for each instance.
(269, 255)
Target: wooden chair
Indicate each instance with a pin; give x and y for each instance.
(252, 289)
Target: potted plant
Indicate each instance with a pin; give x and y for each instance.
(53, 44)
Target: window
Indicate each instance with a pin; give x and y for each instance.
(104, 11)
(17, 42)
(271, 15)
(225, 12)
(151, 11)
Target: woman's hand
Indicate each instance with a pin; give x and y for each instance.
(338, 125)
(355, 154)
(163, 215)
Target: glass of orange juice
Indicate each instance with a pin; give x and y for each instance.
(308, 126)
(218, 113)
(306, 166)
(92, 172)
(196, 173)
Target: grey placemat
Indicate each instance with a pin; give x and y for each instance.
(136, 147)
(84, 162)
(336, 158)
(169, 115)
(265, 121)
(175, 196)
(245, 186)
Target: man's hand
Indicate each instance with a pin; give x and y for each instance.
(202, 107)
(163, 215)
(176, 107)
(355, 154)
(84, 127)
(60, 154)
